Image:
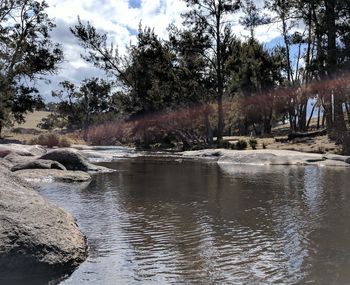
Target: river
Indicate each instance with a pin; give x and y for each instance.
(192, 222)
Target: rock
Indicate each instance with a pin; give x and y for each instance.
(14, 158)
(336, 157)
(53, 175)
(4, 163)
(249, 158)
(22, 150)
(36, 237)
(270, 157)
(38, 164)
(73, 160)
(4, 152)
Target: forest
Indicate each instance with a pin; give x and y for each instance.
(201, 83)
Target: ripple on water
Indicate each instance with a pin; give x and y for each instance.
(191, 223)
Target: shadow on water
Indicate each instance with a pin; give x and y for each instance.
(48, 278)
(185, 222)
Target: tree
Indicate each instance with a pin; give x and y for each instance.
(150, 76)
(26, 54)
(256, 73)
(99, 51)
(212, 18)
(252, 17)
(79, 107)
(193, 73)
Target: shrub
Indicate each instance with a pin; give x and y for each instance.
(346, 144)
(50, 140)
(64, 142)
(241, 145)
(225, 144)
(253, 143)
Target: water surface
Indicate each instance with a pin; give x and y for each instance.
(188, 222)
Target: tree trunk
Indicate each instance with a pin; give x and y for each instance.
(347, 112)
(310, 118)
(339, 122)
(323, 118)
(318, 117)
(219, 76)
(286, 42)
(208, 127)
(302, 116)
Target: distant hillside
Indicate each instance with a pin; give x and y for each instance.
(33, 119)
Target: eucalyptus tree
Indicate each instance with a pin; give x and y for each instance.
(26, 55)
(253, 17)
(193, 73)
(80, 106)
(213, 18)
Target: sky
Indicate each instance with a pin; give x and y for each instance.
(120, 19)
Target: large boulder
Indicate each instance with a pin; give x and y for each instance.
(14, 158)
(336, 157)
(53, 175)
(270, 157)
(73, 160)
(38, 164)
(22, 150)
(36, 237)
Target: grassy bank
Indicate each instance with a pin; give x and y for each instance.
(29, 132)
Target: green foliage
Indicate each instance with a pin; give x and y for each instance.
(79, 107)
(51, 122)
(253, 143)
(225, 144)
(205, 63)
(152, 71)
(211, 18)
(241, 145)
(26, 54)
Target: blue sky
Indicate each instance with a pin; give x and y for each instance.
(120, 20)
(135, 4)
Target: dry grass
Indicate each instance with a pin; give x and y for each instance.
(32, 120)
(29, 132)
(50, 140)
(320, 144)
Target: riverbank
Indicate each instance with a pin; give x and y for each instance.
(36, 237)
(221, 156)
(270, 157)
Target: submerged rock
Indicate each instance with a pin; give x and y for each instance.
(73, 160)
(53, 175)
(36, 237)
(38, 164)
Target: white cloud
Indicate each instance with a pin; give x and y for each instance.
(120, 19)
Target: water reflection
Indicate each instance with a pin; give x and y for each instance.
(190, 222)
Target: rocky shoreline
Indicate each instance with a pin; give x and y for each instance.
(37, 237)
(224, 156)
(269, 157)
